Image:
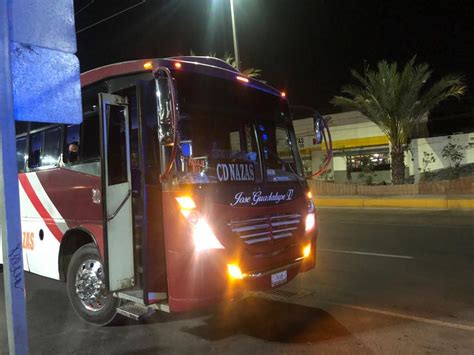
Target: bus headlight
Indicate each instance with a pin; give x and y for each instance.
(311, 216)
(234, 272)
(310, 222)
(203, 236)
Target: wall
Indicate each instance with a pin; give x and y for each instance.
(381, 175)
(460, 186)
(435, 145)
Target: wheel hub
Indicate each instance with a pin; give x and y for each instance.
(90, 285)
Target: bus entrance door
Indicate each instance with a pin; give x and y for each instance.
(116, 187)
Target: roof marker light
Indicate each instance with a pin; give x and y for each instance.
(177, 65)
(148, 65)
(241, 78)
(283, 94)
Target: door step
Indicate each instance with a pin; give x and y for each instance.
(134, 307)
(138, 311)
(136, 296)
(135, 311)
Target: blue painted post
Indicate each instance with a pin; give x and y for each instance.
(39, 81)
(10, 215)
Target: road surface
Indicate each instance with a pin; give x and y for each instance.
(387, 281)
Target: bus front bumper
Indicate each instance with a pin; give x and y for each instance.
(206, 281)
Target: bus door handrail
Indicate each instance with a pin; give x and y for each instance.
(113, 215)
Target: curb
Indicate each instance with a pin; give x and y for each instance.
(369, 202)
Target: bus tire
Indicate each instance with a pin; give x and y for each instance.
(86, 287)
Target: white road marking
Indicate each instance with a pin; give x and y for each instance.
(461, 226)
(407, 316)
(366, 253)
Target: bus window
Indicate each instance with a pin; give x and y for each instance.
(36, 141)
(90, 139)
(50, 152)
(71, 144)
(20, 153)
(212, 141)
(21, 127)
(278, 153)
(116, 148)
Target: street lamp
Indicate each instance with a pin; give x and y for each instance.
(234, 34)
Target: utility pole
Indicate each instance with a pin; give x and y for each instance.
(234, 34)
(33, 37)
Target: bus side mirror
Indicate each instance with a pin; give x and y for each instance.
(318, 121)
(166, 106)
(167, 120)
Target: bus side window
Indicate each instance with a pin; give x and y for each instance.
(36, 141)
(90, 138)
(20, 154)
(71, 144)
(50, 151)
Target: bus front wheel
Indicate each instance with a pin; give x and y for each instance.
(86, 287)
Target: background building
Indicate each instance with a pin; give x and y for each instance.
(357, 142)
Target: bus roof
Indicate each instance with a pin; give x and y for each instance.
(204, 65)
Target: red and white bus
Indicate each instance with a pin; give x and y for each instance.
(182, 187)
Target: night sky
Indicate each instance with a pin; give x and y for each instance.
(305, 47)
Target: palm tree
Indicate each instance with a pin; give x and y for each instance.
(396, 101)
(229, 59)
(249, 72)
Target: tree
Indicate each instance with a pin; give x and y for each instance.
(249, 72)
(396, 101)
(229, 59)
(367, 170)
(455, 154)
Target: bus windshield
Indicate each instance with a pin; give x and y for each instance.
(230, 132)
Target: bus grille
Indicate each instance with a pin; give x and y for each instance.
(267, 228)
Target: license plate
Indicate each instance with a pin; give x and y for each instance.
(279, 278)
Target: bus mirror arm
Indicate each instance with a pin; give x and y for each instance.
(321, 134)
(113, 215)
(319, 121)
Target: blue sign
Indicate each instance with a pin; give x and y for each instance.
(45, 70)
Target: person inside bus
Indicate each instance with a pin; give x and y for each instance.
(72, 152)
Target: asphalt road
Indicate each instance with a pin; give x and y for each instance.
(387, 281)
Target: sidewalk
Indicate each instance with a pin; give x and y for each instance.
(401, 201)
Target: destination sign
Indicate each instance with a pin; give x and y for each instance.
(235, 172)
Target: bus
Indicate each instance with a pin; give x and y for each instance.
(181, 188)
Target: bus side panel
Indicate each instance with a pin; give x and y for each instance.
(52, 202)
(41, 225)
